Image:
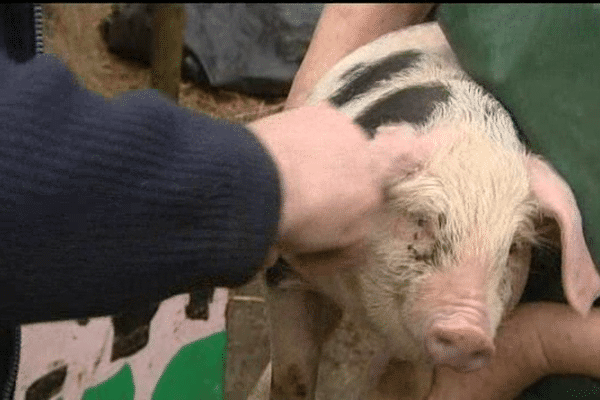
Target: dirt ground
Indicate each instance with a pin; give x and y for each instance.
(72, 33)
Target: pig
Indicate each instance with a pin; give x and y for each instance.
(448, 256)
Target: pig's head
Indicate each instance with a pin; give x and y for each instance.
(450, 255)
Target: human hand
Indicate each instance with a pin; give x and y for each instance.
(538, 339)
(332, 177)
(519, 362)
(343, 28)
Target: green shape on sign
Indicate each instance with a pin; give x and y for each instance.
(119, 387)
(197, 371)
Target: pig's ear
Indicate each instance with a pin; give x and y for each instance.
(548, 231)
(581, 281)
(400, 146)
(407, 149)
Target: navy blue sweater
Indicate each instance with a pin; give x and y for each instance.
(105, 204)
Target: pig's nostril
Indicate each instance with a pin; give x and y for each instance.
(478, 359)
(444, 341)
(478, 354)
(463, 348)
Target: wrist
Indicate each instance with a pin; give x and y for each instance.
(294, 137)
(520, 343)
(271, 133)
(570, 342)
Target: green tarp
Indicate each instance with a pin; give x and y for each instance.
(542, 61)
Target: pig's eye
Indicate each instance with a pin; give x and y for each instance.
(513, 248)
(424, 228)
(442, 220)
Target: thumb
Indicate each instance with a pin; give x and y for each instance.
(447, 385)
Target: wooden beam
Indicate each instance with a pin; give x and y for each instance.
(168, 24)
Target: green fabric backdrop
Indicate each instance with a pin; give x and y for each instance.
(542, 61)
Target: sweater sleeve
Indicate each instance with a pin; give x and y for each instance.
(108, 203)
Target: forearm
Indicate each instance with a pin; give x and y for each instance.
(343, 28)
(518, 362)
(542, 339)
(536, 340)
(571, 343)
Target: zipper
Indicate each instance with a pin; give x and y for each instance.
(11, 380)
(38, 26)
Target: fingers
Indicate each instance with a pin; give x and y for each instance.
(329, 262)
(450, 385)
(333, 177)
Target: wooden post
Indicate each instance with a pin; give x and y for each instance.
(168, 24)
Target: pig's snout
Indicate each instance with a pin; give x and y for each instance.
(459, 344)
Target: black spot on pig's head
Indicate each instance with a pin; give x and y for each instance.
(362, 78)
(413, 105)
